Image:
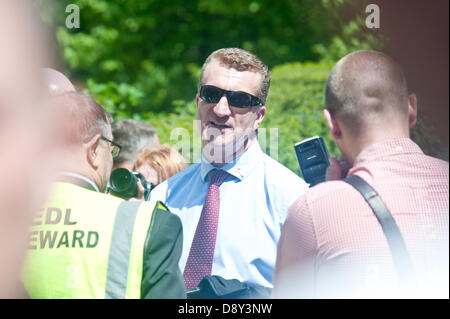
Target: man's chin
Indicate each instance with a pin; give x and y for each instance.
(221, 151)
(219, 142)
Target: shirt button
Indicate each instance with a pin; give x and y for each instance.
(399, 148)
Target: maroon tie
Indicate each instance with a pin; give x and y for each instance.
(199, 262)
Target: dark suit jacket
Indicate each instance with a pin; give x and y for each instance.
(163, 279)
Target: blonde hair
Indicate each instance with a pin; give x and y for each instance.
(164, 159)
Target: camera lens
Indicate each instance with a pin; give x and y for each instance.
(123, 183)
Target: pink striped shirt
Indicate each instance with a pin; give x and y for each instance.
(333, 246)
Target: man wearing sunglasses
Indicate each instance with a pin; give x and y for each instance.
(233, 203)
(87, 244)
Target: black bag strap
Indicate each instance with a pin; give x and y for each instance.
(400, 255)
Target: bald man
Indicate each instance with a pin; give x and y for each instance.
(332, 244)
(56, 82)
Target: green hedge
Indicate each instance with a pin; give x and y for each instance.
(294, 106)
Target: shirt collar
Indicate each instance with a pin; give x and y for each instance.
(79, 180)
(386, 148)
(240, 167)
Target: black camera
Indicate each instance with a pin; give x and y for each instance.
(312, 156)
(123, 184)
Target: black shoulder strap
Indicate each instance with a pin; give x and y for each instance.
(400, 255)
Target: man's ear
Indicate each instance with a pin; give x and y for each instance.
(260, 117)
(412, 110)
(92, 151)
(333, 125)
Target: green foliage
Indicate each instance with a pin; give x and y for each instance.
(295, 105)
(153, 44)
(121, 100)
(177, 128)
(349, 40)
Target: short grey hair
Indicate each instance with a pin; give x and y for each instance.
(241, 60)
(132, 136)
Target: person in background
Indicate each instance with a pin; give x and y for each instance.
(159, 163)
(235, 178)
(133, 136)
(56, 82)
(26, 136)
(332, 244)
(86, 244)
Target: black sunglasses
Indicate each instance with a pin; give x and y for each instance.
(213, 94)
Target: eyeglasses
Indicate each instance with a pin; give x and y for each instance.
(213, 94)
(115, 148)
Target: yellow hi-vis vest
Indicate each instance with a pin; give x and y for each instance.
(85, 244)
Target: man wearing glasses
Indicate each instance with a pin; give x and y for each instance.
(87, 244)
(233, 203)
